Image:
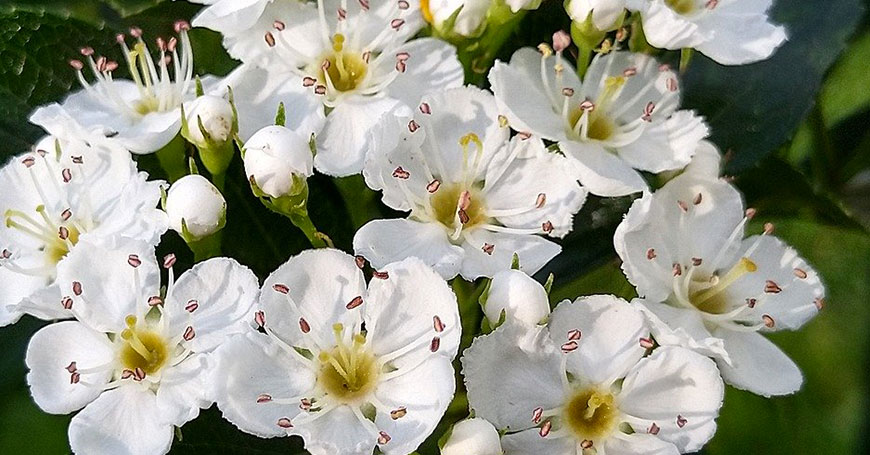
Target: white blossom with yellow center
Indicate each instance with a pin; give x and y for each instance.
(61, 193)
(347, 367)
(134, 360)
(587, 383)
(684, 248)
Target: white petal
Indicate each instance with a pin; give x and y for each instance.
(511, 372)
(664, 28)
(215, 297)
(321, 284)
(386, 241)
(424, 392)
(339, 432)
(520, 184)
(14, 288)
(638, 444)
(678, 390)
(475, 436)
(183, 390)
(109, 291)
(535, 111)
(121, 421)
(238, 22)
(653, 280)
(757, 365)
(684, 327)
(519, 296)
(432, 66)
(800, 290)
(411, 307)
(610, 332)
(739, 37)
(707, 162)
(249, 366)
(257, 94)
(46, 303)
(534, 252)
(601, 172)
(132, 212)
(51, 350)
(530, 442)
(667, 145)
(342, 145)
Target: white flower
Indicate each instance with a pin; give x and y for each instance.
(351, 56)
(473, 436)
(707, 162)
(684, 246)
(133, 359)
(605, 13)
(216, 116)
(731, 32)
(468, 21)
(518, 296)
(196, 207)
(63, 192)
(275, 157)
(623, 117)
(475, 198)
(584, 382)
(142, 115)
(344, 367)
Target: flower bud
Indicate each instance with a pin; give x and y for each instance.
(195, 204)
(217, 119)
(473, 436)
(275, 157)
(465, 22)
(519, 296)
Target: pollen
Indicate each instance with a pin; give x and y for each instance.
(683, 7)
(143, 348)
(591, 414)
(344, 70)
(349, 372)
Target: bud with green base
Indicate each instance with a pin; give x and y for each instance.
(198, 212)
(278, 162)
(211, 123)
(511, 294)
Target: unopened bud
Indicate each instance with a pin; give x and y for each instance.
(275, 157)
(473, 436)
(519, 296)
(194, 205)
(210, 121)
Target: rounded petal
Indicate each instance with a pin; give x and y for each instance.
(386, 241)
(183, 390)
(432, 66)
(215, 298)
(109, 281)
(610, 333)
(247, 369)
(739, 38)
(510, 373)
(707, 162)
(679, 391)
(757, 365)
(121, 421)
(316, 285)
(519, 296)
(340, 432)
(671, 326)
(667, 145)
(52, 350)
(638, 444)
(664, 28)
(534, 252)
(411, 307)
(475, 436)
(530, 442)
(424, 392)
(601, 172)
(15, 288)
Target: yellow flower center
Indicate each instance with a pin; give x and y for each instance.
(143, 348)
(345, 70)
(708, 295)
(600, 127)
(57, 239)
(594, 123)
(591, 414)
(348, 372)
(683, 7)
(447, 201)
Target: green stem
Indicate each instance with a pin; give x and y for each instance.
(206, 247)
(584, 57)
(300, 219)
(685, 59)
(173, 158)
(219, 181)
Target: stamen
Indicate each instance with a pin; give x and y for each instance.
(743, 266)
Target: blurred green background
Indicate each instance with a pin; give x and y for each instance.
(796, 127)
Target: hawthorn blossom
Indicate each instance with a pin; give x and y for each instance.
(731, 32)
(475, 197)
(603, 13)
(134, 360)
(345, 366)
(141, 115)
(354, 57)
(588, 382)
(623, 118)
(61, 193)
(683, 247)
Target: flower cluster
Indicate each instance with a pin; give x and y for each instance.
(355, 353)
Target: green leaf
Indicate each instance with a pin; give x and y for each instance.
(846, 90)
(754, 109)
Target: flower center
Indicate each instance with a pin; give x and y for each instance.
(599, 128)
(591, 121)
(143, 348)
(683, 7)
(591, 414)
(708, 297)
(348, 372)
(58, 239)
(454, 203)
(343, 71)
